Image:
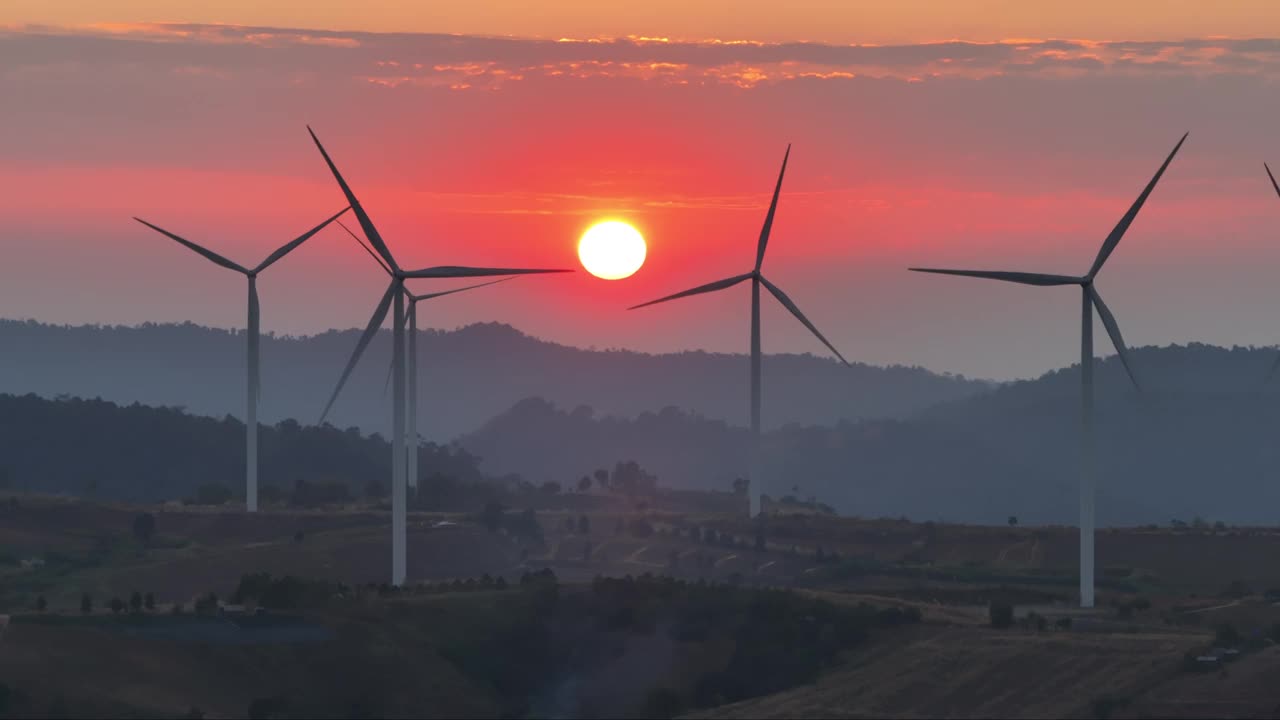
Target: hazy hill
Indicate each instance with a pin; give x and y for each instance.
(1201, 441)
(468, 376)
(95, 448)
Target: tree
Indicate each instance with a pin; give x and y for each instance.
(149, 601)
(492, 515)
(602, 478)
(86, 604)
(207, 605)
(117, 605)
(135, 602)
(740, 486)
(631, 479)
(1001, 615)
(584, 525)
(551, 487)
(760, 542)
(584, 484)
(144, 527)
(1013, 521)
(41, 603)
(213, 494)
(374, 489)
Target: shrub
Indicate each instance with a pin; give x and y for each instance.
(1227, 635)
(1105, 705)
(212, 494)
(1001, 615)
(663, 703)
(641, 528)
(144, 527)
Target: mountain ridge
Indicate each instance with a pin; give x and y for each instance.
(467, 376)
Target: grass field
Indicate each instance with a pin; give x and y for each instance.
(394, 656)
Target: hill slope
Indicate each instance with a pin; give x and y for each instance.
(1201, 441)
(468, 376)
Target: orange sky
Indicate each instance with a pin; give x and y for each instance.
(866, 21)
(470, 150)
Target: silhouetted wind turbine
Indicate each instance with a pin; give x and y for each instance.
(757, 279)
(394, 297)
(254, 384)
(1090, 300)
(411, 433)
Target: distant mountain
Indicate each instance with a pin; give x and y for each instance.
(468, 376)
(1201, 442)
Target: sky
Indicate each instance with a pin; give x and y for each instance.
(994, 135)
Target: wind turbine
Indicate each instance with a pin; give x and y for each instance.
(394, 298)
(757, 279)
(1090, 299)
(411, 433)
(254, 388)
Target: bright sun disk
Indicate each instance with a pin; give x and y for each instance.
(611, 250)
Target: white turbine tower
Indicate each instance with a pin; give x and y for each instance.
(755, 486)
(254, 387)
(394, 297)
(411, 357)
(1089, 299)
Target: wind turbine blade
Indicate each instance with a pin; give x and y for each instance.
(455, 271)
(795, 310)
(709, 287)
(372, 254)
(1113, 329)
(773, 207)
(211, 255)
(366, 224)
(415, 298)
(386, 384)
(1015, 277)
(375, 322)
(286, 249)
(1274, 184)
(1113, 239)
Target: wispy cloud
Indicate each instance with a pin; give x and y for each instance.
(406, 60)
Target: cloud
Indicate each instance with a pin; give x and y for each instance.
(406, 60)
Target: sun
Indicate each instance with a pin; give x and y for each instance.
(611, 250)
